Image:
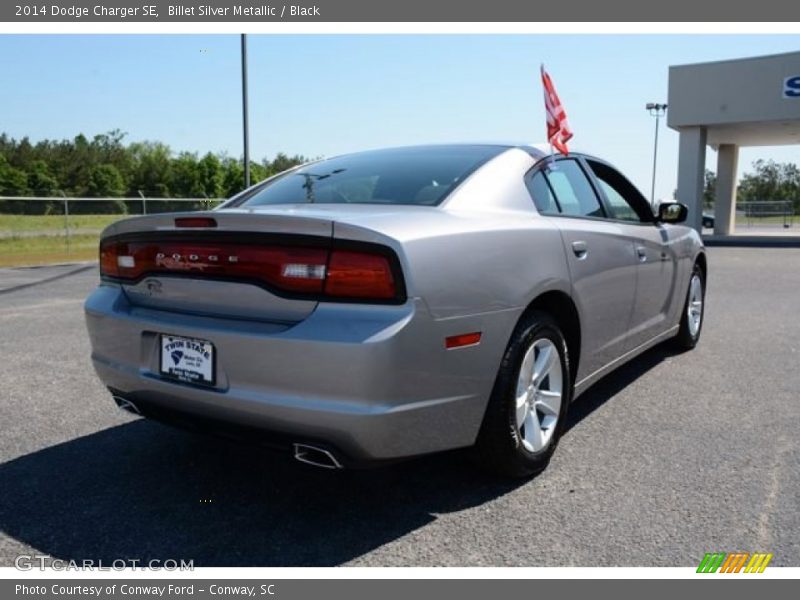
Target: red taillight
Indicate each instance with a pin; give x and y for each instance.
(323, 273)
(287, 268)
(108, 259)
(359, 275)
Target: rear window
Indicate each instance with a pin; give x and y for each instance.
(420, 175)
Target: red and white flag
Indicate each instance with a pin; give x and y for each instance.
(558, 131)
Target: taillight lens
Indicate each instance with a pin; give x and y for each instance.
(108, 259)
(359, 275)
(321, 272)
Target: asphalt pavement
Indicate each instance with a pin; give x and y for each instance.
(672, 456)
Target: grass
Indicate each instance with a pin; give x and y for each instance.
(768, 220)
(31, 240)
(42, 250)
(55, 223)
(20, 246)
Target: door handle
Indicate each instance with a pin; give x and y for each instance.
(579, 249)
(641, 252)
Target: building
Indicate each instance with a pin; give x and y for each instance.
(726, 105)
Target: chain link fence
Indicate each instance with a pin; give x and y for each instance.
(35, 231)
(775, 213)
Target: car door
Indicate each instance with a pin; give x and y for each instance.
(600, 256)
(656, 255)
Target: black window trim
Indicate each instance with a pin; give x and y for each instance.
(541, 166)
(605, 205)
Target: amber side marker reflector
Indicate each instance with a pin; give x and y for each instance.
(465, 339)
(195, 222)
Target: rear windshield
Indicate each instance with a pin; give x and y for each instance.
(421, 175)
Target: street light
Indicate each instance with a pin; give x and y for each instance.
(657, 111)
(244, 113)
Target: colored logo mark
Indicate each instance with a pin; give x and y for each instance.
(734, 562)
(177, 355)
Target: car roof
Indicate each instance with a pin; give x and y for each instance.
(536, 150)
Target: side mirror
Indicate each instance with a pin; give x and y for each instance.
(672, 212)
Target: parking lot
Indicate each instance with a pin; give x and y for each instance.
(670, 457)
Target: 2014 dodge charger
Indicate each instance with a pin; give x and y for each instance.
(396, 302)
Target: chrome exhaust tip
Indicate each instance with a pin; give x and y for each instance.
(318, 457)
(127, 405)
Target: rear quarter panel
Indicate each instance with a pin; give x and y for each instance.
(474, 279)
(476, 263)
(462, 268)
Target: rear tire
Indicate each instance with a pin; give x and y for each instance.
(527, 410)
(693, 311)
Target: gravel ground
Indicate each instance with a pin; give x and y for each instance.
(670, 457)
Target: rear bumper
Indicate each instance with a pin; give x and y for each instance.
(372, 382)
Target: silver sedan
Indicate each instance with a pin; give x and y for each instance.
(396, 302)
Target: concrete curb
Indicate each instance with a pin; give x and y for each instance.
(753, 241)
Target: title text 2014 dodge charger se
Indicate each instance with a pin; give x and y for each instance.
(396, 302)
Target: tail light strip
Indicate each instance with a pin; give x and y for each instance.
(326, 273)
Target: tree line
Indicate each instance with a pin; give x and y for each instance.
(108, 167)
(769, 181)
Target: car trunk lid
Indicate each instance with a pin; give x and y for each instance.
(232, 263)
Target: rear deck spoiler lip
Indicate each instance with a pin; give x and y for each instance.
(165, 222)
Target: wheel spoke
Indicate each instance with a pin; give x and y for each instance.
(548, 402)
(532, 432)
(522, 410)
(526, 369)
(544, 362)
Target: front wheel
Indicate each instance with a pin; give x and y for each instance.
(527, 410)
(693, 311)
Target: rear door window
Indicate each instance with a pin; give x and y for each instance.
(624, 200)
(573, 191)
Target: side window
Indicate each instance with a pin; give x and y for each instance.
(625, 201)
(542, 195)
(573, 191)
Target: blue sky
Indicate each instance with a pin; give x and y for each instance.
(320, 95)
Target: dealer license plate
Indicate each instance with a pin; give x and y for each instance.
(187, 359)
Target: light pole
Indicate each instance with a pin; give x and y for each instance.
(657, 111)
(244, 113)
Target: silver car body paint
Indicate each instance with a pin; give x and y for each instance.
(376, 381)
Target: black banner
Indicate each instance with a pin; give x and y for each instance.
(406, 11)
(386, 589)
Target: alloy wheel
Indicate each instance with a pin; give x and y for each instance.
(539, 394)
(694, 308)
